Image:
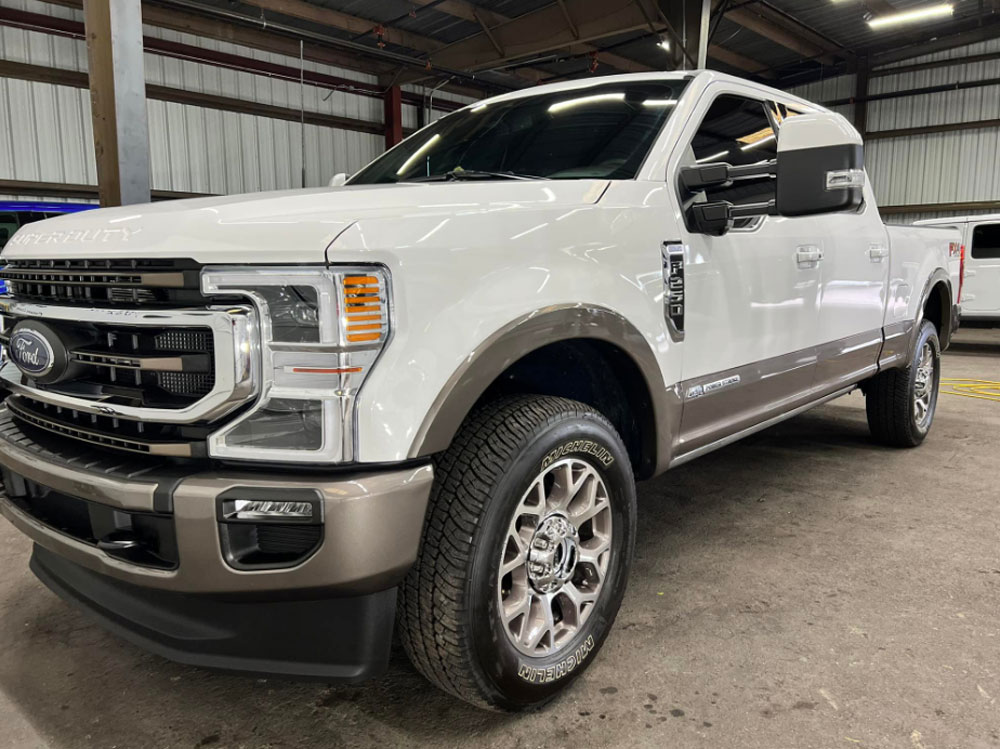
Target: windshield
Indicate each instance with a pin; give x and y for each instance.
(599, 132)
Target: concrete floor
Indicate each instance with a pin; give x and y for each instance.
(804, 588)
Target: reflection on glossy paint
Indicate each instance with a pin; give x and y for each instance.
(561, 106)
(429, 144)
(433, 231)
(529, 231)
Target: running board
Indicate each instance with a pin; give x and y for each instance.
(736, 436)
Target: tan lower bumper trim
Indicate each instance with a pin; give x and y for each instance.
(372, 529)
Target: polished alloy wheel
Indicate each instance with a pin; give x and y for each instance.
(555, 557)
(923, 387)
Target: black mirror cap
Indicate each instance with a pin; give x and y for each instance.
(802, 180)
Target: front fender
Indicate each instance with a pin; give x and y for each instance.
(532, 332)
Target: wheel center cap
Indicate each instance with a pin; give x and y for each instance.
(552, 555)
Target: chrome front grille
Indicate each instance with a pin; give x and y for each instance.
(107, 431)
(104, 282)
(150, 381)
(133, 364)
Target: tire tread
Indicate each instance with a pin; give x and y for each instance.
(433, 598)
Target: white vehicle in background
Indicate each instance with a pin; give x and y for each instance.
(981, 240)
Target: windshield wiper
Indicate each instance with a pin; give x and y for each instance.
(458, 175)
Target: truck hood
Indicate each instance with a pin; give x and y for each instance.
(292, 226)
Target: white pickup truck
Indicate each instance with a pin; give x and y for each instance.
(981, 264)
(259, 432)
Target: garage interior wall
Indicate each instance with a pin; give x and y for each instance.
(46, 134)
(46, 130)
(959, 166)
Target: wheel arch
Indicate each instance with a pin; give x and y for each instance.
(620, 377)
(936, 306)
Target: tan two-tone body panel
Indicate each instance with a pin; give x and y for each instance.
(724, 403)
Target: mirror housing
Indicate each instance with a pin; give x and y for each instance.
(821, 165)
(338, 180)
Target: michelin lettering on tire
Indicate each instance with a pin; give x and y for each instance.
(580, 446)
(561, 669)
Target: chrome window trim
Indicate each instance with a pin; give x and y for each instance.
(237, 357)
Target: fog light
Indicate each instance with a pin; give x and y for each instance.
(261, 510)
(258, 530)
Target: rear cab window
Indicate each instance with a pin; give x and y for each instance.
(986, 242)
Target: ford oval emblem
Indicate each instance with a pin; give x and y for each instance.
(31, 352)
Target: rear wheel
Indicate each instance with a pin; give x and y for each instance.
(525, 555)
(901, 402)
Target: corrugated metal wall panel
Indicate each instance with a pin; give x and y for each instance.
(829, 89)
(45, 133)
(951, 167)
(980, 48)
(957, 166)
(46, 130)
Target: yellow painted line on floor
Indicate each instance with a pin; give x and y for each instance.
(988, 390)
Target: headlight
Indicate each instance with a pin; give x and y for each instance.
(321, 331)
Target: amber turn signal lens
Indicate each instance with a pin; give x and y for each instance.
(364, 309)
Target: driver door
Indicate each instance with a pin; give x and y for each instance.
(752, 295)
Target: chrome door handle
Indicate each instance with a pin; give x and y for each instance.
(877, 253)
(808, 254)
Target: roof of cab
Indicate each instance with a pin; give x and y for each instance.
(668, 75)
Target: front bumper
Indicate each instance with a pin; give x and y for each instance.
(333, 606)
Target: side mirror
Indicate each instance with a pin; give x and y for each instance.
(338, 180)
(821, 165)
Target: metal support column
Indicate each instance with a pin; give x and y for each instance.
(861, 96)
(393, 101)
(689, 22)
(118, 100)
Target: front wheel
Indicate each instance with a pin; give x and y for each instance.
(901, 402)
(526, 550)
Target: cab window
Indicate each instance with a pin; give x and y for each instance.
(986, 242)
(738, 131)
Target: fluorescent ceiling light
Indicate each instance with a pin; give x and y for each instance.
(756, 143)
(559, 106)
(428, 145)
(910, 16)
(659, 102)
(713, 157)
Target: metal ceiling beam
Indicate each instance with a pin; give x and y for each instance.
(738, 61)
(788, 21)
(346, 22)
(210, 28)
(881, 6)
(543, 30)
(967, 60)
(64, 190)
(365, 27)
(899, 47)
(916, 45)
(75, 79)
(948, 127)
(178, 50)
(236, 28)
(751, 18)
(469, 12)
